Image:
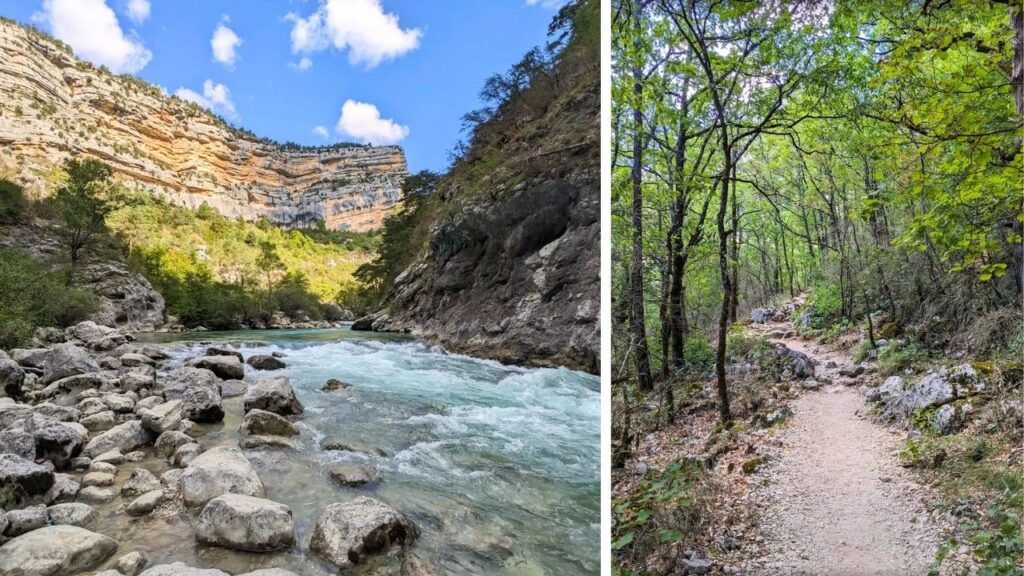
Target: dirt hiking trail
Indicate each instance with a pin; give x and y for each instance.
(835, 500)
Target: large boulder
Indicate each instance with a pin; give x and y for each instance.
(126, 437)
(12, 377)
(931, 391)
(273, 395)
(245, 523)
(10, 412)
(796, 363)
(353, 474)
(140, 482)
(21, 478)
(95, 336)
(761, 315)
(347, 532)
(145, 503)
(56, 440)
(18, 441)
(25, 520)
(55, 550)
(201, 404)
(169, 441)
(218, 351)
(181, 379)
(65, 360)
(71, 514)
(225, 367)
(265, 362)
(220, 470)
(163, 417)
(943, 397)
(260, 422)
(65, 488)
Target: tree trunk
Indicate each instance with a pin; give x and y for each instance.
(1017, 79)
(636, 319)
(723, 266)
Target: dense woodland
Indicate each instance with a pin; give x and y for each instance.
(865, 153)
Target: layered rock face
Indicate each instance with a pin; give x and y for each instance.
(53, 106)
(511, 270)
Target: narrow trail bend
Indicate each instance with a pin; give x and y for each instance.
(834, 500)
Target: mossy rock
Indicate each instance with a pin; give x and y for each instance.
(335, 384)
(751, 466)
(889, 330)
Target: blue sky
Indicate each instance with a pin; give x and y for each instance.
(403, 71)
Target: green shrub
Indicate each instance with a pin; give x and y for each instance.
(13, 205)
(292, 297)
(32, 295)
(660, 510)
(894, 358)
(698, 355)
(825, 305)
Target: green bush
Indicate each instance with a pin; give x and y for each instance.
(292, 296)
(894, 358)
(13, 205)
(825, 304)
(32, 295)
(698, 355)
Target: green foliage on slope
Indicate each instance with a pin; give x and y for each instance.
(219, 272)
(33, 294)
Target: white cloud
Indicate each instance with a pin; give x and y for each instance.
(224, 42)
(322, 132)
(138, 10)
(370, 35)
(302, 65)
(362, 121)
(215, 97)
(92, 29)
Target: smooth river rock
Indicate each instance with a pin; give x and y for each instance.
(273, 395)
(260, 422)
(347, 532)
(220, 470)
(225, 367)
(124, 437)
(54, 550)
(245, 523)
(21, 478)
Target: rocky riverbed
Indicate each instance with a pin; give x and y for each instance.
(310, 453)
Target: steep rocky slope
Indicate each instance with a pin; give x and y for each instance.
(53, 106)
(510, 268)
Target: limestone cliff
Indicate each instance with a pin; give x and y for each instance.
(53, 106)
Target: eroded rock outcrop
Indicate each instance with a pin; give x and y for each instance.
(511, 268)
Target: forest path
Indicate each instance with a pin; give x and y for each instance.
(835, 500)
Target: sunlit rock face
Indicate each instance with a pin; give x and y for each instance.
(53, 106)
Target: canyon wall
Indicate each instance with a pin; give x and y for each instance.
(54, 106)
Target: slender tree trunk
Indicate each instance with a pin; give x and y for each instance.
(735, 252)
(637, 320)
(723, 266)
(1017, 79)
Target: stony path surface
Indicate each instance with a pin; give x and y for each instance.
(835, 500)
